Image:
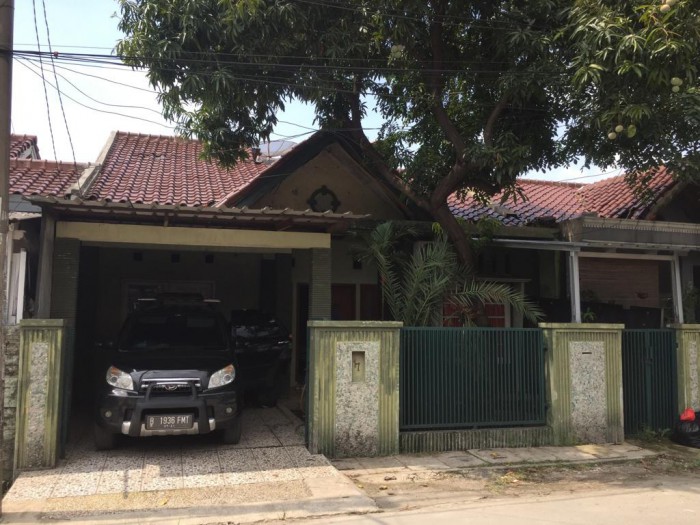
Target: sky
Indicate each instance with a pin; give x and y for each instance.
(99, 99)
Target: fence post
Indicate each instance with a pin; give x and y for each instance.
(353, 388)
(688, 365)
(584, 382)
(40, 393)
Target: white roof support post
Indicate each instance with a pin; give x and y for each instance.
(574, 287)
(677, 289)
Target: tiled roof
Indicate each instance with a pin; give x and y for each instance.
(609, 198)
(544, 199)
(21, 143)
(614, 198)
(42, 177)
(153, 169)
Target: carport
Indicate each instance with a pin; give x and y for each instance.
(98, 257)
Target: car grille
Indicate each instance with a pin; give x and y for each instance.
(180, 386)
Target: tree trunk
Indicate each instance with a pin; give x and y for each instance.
(457, 235)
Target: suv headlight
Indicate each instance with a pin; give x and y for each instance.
(222, 377)
(119, 379)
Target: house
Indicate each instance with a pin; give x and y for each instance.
(277, 234)
(272, 233)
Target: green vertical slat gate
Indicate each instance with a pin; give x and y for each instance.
(649, 379)
(453, 378)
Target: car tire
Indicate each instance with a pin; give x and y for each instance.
(232, 435)
(104, 439)
(267, 398)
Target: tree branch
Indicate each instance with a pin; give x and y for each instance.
(493, 117)
(436, 81)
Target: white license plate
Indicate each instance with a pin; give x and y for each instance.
(169, 421)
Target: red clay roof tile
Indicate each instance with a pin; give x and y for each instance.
(609, 198)
(150, 169)
(43, 177)
(19, 144)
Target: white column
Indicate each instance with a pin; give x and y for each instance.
(574, 287)
(677, 289)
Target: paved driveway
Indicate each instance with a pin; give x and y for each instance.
(270, 464)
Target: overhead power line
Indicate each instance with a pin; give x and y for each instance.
(60, 96)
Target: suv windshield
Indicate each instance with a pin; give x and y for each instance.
(173, 330)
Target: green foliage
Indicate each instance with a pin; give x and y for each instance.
(417, 281)
(472, 94)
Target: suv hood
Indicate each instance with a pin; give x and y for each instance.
(151, 361)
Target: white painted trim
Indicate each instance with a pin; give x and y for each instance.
(9, 249)
(20, 285)
(677, 289)
(175, 236)
(88, 174)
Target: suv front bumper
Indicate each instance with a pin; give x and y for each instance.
(122, 414)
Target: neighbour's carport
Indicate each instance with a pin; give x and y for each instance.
(97, 257)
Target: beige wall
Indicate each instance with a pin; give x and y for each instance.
(357, 192)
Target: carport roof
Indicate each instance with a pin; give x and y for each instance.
(279, 219)
(166, 170)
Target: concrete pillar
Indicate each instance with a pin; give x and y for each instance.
(688, 365)
(584, 382)
(40, 395)
(64, 305)
(354, 388)
(43, 294)
(320, 285)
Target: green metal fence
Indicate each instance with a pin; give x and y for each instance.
(649, 379)
(455, 378)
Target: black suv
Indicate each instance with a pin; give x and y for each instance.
(172, 372)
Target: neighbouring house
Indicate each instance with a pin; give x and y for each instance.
(30, 176)
(24, 147)
(277, 234)
(613, 253)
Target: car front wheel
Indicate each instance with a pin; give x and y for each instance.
(232, 435)
(104, 440)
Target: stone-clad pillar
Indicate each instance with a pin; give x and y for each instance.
(688, 370)
(354, 388)
(584, 382)
(40, 396)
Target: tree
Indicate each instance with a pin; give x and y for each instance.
(418, 282)
(474, 94)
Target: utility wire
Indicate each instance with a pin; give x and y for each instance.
(21, 62)
(43, 81)
(289, 83)
(60, 97)
(306, 63)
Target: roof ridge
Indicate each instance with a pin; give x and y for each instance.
(45, 163)
(553, 183)
(169, 137)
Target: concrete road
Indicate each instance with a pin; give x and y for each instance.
(673, 504)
